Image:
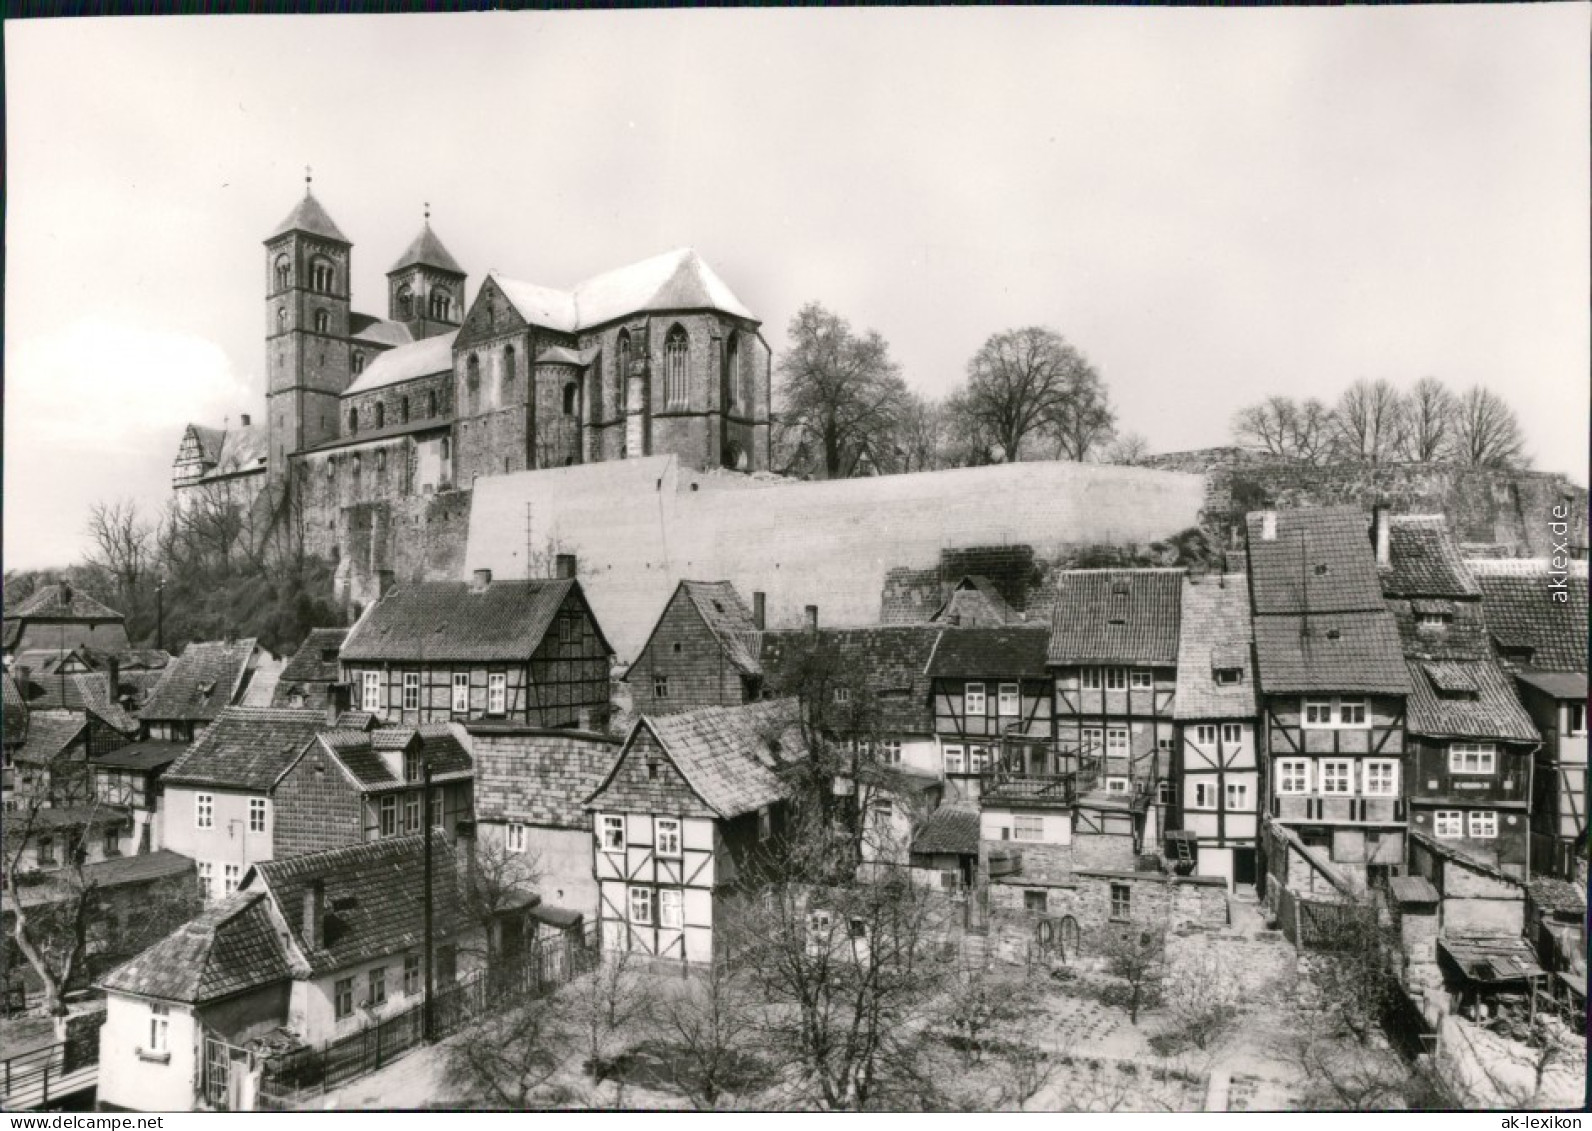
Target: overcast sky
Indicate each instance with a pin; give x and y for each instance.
(1212, 205)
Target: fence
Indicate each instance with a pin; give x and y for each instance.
(32, 1079)
(543, 967)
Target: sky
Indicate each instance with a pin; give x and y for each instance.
(1212, 205)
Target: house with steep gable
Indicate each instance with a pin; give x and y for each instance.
(57, 618)
(703, 652)
(207, 678)
(992, 697)
(310, 673)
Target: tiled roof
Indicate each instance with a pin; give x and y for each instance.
(246, 748)
(729, 620)
(1462, 637)
(426, 249)
(727, 754)
(1215, 634)
(1321, 561)
(316, 659)
(948, 830)
(1560, 685)
(356, 720)
(141, 756)
(361, 753)
(48, 735)
(62, 602)
(545, 780)
(308, 216)
(451, 620)
(993, 652)
(891, 661)
(562, 355)
(201, 682)
(1412, 889)
(116, 872)
(1116, 616)
(1424, 560)
(225, 950)
(1553, 894)
(976, 602)
(1521, 613)
(378, 331)
(61, 817)
(78, 691)
(1465, 699)
(424, 358)
(675, 280)
(374, 898)
(14, 711)
(242, 449)
(1355, 652)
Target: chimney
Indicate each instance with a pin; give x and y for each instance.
(113, 676)
(338, 698)
(482, 579)
(564, 567)
(1268, 526)
(385, 580)
(66, 593)
(812, 617)
(1381, 537)
(759, 610)
(244, 420)
(314, 925)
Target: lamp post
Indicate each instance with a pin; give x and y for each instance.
(426, 1027)
(160, 614)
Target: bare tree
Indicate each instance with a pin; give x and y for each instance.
(121, 543)
(1352, 967)
(1204, 998)
(1486, 431)
(1285, 427)
(1429, 410)
(496, 883)
(709, 1020)
(920, 435)
(510, 1059)
(1368, 422)
(840, 391)
(608, 1007)
(1128, 448)
(1137, 955)
(1029, 382)
(981, 1001)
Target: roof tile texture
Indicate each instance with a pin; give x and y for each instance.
(1116, 616)
(455, 620)
(246, 748)
(1216, 634)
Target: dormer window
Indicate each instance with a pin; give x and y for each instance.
(1431, 620)
(1227, 677)
(413, 765)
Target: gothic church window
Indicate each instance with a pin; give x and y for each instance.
(321, 275)
(353, 421)
(676, 351)
(284, 272)
(323, 322)
(381, 415)
(472, 384)
(569, 399)
(622, 376)
(403, 411)
(732, 373)
(406, 301)
(508, 375)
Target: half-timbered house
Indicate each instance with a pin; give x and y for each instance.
(440, 651)
(1215, 769)
(679, 820)
(207, 678)
(992, 700)
(703, 652)
(1333, 686)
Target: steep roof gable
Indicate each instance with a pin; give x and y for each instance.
(1216, 635)
(1424, 560)
(1318, 560)
(201, 682)
(246, 748)
(456, 620)
(62, 601)
(224, 950)
(427, 251)
(729, 620)
(1116, 616)
(309, 216)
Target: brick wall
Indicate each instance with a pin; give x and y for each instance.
(1103, 850)
(1173, 902)
(316, 807)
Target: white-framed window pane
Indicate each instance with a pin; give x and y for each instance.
(230, 875)
(1140, 680)
(640, 905)
(1293, 775)
(1117, 742)
(204, 811)
(1094, 740)
(1448, 823)
(1575, 718)
(256, 814)
(1205, 735)
(667, 836)
(1010, 699)
(953, 760)
(613, 833)
(514, 841)
(973, 700)
(1237, 796)
(1351, 712)
(1028, 827)
(206, 878)
(890, 751)
(1318, 712)
(1472, 758)
(389, 815)
(497, 693)
(1484, 823)
(461, 693)
(412, 813)
(1091, 679)
(159, 1028)
(1381, 778)
(1204, 796)
(343, 995)
(370, 694)
(1232, 732)
(1337, 777)
(671, 908)
(411, 691)
(411, 975)
(1116, 679)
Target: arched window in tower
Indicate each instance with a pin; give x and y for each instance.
(441, 303)
(381, 415)
(732, 373)
(622, 372)
(472, 384)
(359, 364)
(508, 375)
(353, 421)
(281, 319)
(403, 411)
(284, 272)
(381, 462)
(321, 275)
(569, 399)
(355, 477)
(431, 403)
(676, 352)
(406, 302)
(323, 322)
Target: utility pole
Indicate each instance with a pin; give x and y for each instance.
(160, 614)
(426, 1026)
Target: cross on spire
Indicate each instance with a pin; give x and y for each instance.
(308, 176)
(428, 211)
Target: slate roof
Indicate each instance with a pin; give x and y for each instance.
(548, 785)
(226, 949)
(202, 681)
(890, 660)
(675, 280)
(1321, 561)
(77, 691)
(374, 898)
(62, 602)
(1017, 652)
(242, 449)
(1424, 560)
(450, 620)
(405, 362)
(48, 736)
(60, 817)
(1521, 613)
(316, 658)
(1463, 637)
(378, 331)
(1560, 685)
(948, 830)
(1489, 708)
(729, 620)
(361, 753)
(426, 249)
(725, 753)
(116, 872)
(562, 355)
(308, 216)
(1122, 616)
(141, 756)
(1215, 634)
(1353, 652)
(246, 748)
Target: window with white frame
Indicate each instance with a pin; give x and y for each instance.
(1116, 679)
(230, 875)
(1010, 701)
(206, 878)
(256, 814)
(1293, 775)
(411, 975)
(889, 751)
(1448, 823)
(973, 699)
(953, 760)
(377, 983)
(343, 998)
(514, 837)
(1116, 785)
(497, 689)
(1575, 719)
(671, 908)
(1351, 712)
(1318, 712)
(641, 905)
(765, 823)
(461, 693)
(666, 836)
(1380, 777)
(1232, 732)
(977, 759)
(842, 694)
(1472, 758)
(414, 766)
(1237, 796)
(1483, 823)
(412, 813)
(1227, 677)
(204, 811)
(1030, 827)
(1166, 791)
(1093, 740)
(1337, 777)
(389, 815)
(159, 1028)
(1116, 742)
(612, 830)
(1140, 680)
(1090, 678)
(370, 691)
(1204, 796)
(411, 691)
(1205, 734)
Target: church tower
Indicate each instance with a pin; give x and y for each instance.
(307, 261)
(425, 288)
